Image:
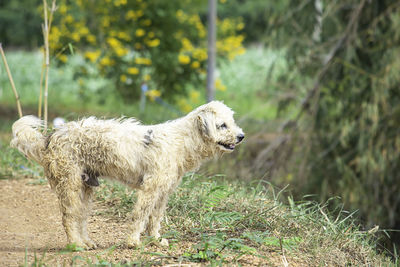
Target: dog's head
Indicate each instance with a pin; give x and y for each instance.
(216, 125)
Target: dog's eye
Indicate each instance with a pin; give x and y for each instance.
(222, 126)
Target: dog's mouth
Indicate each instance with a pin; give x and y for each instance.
(227, 146)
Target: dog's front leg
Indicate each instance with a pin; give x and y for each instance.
(146, 201)
(154, 225)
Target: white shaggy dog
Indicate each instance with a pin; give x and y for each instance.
(150, 158)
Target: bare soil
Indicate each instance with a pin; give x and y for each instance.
(31, 230)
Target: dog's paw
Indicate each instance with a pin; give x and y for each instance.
(90, 244)
(164, 242)
(132, 242)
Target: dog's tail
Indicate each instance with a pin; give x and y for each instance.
(28, 138)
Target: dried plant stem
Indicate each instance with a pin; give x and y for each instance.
(41, 89)
(11, 81)
(46, 30)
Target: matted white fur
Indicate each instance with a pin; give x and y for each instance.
(150, 158)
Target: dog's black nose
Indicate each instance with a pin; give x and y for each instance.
(240, 137)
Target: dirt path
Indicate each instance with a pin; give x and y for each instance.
(30, 221)
(30, 226)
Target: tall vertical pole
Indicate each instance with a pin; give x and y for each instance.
(212, 36)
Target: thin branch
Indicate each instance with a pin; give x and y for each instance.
(11, 81)
(41, 89)
(46, 31)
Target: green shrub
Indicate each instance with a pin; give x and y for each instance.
(160, 43)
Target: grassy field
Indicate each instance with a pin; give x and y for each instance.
(211, 219)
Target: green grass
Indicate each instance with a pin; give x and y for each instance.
(225, 220)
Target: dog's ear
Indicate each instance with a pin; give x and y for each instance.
(204, 123)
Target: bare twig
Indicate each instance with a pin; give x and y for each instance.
(41, 88)
(46, 30)
(11, 81)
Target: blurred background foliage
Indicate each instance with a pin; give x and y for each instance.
(317, 87)
(160, 43)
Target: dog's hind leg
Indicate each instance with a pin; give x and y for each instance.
(71, 197)
(146, 201)
(154, 225)
(87, 193)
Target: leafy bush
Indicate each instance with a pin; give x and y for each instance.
(160, 43)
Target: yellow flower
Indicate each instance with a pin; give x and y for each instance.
(132, 70)
(55, 34)
(240, 26)
(153, 94)
(124, 36)
(183, 59)
(219, 85)
(120, 2)
(194, 96)
(106, 61)
(130, 15)
(195, 64)
(181, 15)
(63, 9)
(139, 13)
(121, 51)
(146, 22)
(143, 61)
(184, 105)
(117, 46)
(63, 58)
(140, 32)
(113, 42)
(75, 36)
(69, 19)
(186, 45)
(123, 78)
(93, 56)
(91, 38)
(147, 77)
(153, 43)
(83, 30)
(200, 54)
